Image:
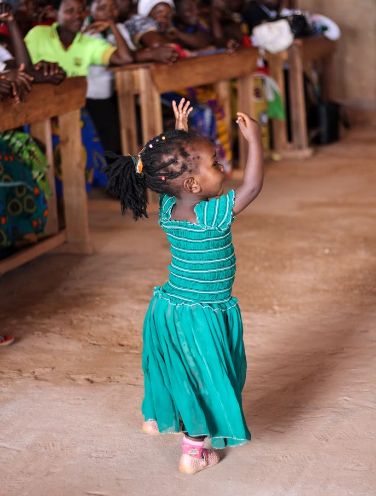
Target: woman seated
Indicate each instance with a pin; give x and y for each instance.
(188, 29)
(63, 42)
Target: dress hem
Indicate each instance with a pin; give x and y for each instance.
(242, 443)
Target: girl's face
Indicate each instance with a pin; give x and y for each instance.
(187, 12)
(104, 10)
(71, 15)
(210, 175)
(162, 14)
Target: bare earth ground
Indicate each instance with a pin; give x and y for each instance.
(71, 386)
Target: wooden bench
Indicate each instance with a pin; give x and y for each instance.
(300, 56)
(64, 102)
(149, 81)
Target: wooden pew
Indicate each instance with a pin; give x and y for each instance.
(64, 102)
(148, 81)
(300, 56)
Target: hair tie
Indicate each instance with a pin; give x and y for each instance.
(137, 162)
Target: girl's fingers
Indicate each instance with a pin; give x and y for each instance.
(189, 111)
(186, 106)
(175, 108)
(181, 104)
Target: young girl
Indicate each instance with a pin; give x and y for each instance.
(193, 353)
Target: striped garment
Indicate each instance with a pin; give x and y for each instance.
(202, 267)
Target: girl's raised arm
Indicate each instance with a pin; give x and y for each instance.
(253, 173)
(181, 113)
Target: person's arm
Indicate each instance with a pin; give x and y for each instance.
(200, 39)
(253, 173)
(21, 55)
(163, 54)
(121, 55)
(181, 113)
(42, 72)
(216, 22)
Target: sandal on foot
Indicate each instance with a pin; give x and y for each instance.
(191, 465)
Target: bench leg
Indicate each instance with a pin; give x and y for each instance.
(75, 196)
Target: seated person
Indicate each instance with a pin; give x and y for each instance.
(160, 15)
(17, 68)
(143, 37)
(63, 42)
(227, 23)
(101, 101)
(188, 29)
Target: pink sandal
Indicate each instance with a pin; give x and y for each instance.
(189, 464)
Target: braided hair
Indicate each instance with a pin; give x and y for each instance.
(164, 158)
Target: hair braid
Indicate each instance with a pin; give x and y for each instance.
(164, 158)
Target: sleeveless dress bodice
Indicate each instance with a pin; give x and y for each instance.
(202, 267)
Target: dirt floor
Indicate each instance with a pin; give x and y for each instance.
(71, 386)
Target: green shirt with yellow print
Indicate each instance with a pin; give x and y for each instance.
(43, 43)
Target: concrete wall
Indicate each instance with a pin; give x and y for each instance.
(353, 72)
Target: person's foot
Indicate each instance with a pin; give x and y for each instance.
(150, 427)
(191, 465)
(195, 457)
(6, 340)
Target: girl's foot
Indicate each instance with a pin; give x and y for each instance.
(6, 340)
(195, 457)
(150, 427)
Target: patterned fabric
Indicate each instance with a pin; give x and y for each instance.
(23, 206)
(137, 26)
(193, 353)
(26, 150)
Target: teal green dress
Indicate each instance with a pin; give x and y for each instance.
(193, 357)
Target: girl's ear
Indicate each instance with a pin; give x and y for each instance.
(191, 185)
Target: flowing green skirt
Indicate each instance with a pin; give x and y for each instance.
(194, 368)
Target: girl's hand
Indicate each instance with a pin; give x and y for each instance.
(249, 128)
(182, 112)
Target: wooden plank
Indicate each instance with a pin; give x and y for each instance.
(73, 171)
(126, 103)
(43, 132)
(203, 70)
(276, 63)
(27, 254)
(43, 102)
(223, 91)
(297, 100)
(151, 111)
(245, 104)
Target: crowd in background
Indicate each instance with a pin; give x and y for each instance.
(45, 41)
